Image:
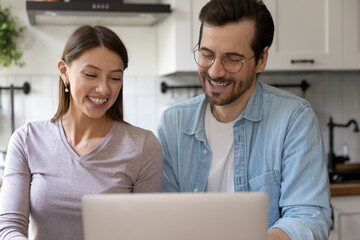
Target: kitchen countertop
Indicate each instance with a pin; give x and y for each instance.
(345, 189)
(348, 188)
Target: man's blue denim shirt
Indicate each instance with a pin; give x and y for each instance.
(278, 149)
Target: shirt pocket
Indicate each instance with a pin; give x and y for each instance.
(269, 183)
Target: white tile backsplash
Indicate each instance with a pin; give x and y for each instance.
(335, 94)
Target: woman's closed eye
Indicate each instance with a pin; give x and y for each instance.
(116, 79)
(90, 75)
(116, 76)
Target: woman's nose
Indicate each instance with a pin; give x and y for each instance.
(103, 87)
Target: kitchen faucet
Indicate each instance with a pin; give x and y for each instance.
(332, 158)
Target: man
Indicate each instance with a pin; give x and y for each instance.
(244, 135)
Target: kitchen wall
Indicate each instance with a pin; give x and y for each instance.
(335, 94)
(42, 45)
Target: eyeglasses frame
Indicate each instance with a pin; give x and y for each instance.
(196, 48)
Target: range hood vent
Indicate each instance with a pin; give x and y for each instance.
(100, 12)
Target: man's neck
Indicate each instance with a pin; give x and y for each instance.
(226, 114)
(230, 112)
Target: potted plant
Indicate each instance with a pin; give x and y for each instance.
(9, 33)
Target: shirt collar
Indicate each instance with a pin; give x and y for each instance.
(253, 110)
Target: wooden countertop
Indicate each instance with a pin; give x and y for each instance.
(345, 189)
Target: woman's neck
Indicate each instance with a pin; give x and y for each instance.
(83, 133)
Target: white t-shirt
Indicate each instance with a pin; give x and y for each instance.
(220, 137)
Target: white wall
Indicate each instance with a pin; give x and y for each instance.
(42, 45)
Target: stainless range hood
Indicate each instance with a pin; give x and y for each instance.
(100, 12)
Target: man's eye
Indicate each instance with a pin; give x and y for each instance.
(233, 59)
(116, 79)
(207, 54)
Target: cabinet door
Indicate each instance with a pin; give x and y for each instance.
(346, 218)
(307, 35)
(177, 36)
(351, 26)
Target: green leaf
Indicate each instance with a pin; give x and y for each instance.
(10, 32)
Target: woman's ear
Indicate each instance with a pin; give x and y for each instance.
(263, 60)
(62, 67)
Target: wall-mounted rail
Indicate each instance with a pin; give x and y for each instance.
(303, 85)
(25, 88)
(165, 87)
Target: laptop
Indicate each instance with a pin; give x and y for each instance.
(175, 216)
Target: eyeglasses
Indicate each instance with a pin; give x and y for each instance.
(232, 62)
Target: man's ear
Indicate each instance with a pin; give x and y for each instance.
(62, 67)
(263, 60)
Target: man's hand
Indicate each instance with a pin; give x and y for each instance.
(277, 234)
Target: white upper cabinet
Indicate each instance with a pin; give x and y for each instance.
(307, 35)
(351, 34)
(177, 36)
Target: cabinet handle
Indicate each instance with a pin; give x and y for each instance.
(295, 61)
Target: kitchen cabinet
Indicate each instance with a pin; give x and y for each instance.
(346, 218)
(351, 34)
(308, 35)
(177, 36)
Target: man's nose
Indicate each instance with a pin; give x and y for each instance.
(217, 69)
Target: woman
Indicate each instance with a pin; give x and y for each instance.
(86, 148)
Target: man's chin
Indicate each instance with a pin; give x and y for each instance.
(216, 99)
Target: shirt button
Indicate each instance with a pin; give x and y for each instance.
(204, 152)
(196, 190)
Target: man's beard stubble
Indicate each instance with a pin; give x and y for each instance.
(238, 89)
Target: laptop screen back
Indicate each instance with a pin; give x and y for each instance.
(175, 216)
